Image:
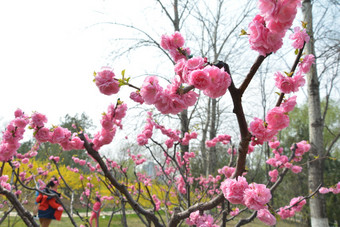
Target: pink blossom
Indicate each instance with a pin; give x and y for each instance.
(200, 220)
(300, 37)
(135, 96)
(261, 38)
(256, 196)
(235, 211)
(262, 134)
(181, 185)
(157, 202)
(82, 162)
(297, 207)
(18, 113)
(274, 144)
(120, 111)
(302, 147)
(296, 169)
(60, 135)
(233, 189)
(174, 41)
(219, 82)
(273, 174)
(106, 83)
(324, 190)
(284, 83)
(282, 17)
(285, 213)
(227, 171)
(266, 7)
(266, 217)
(25, 161)
(289, 104)
(277, 119)
(306, 63)
(43, 135)
(38, 119)
(199, 79)
(151, 90)
(179, 67)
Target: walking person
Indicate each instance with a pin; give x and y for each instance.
(96, 212)
(49, 208)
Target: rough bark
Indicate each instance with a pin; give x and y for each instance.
(315, 165)
(212, 156)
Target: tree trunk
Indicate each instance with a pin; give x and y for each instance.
(315, 165)
(212, 156)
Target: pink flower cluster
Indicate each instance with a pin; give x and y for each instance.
(174, 44)
(167, 101)
(267, 29)
(225, 139)
(135, 96)
(106, 82)
(266, 217)
(300, 36)
(109, 121)
(157, 202)
(237, 191)
(188, 137)
(181, 185)
(145, 179)
(12, 135)
(146, 134)
(227, 171)
(213, 81)
(200, 220)
(276, 120)
(235, 211)
(55, 158)
(3, 182)
(301, 148)
(233, 189)
(138, 160)
(173, 135)
(306, 63)
(334, 190)
(256, 196)
(288, 84)
(294, 206)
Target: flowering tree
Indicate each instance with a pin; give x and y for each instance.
(229, 191)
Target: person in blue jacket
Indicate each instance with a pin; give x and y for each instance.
(49, 208)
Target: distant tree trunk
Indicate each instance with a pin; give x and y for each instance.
(212, 156)
(315, 167)
(184, 128)
(204, 138)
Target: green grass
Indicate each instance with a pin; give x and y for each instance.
(132, 220)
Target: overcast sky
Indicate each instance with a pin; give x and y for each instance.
(49, 50)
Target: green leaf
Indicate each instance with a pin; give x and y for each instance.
(289, 74)
(296, 51)
(123, 73)
(243, 32)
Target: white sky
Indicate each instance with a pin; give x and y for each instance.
(48, 52)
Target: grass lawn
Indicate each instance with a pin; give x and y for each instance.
(132, 220)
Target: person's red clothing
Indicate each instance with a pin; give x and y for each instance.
(48, 206)
(96, 209)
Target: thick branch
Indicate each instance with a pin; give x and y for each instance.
(23, 213)
(120, 187)
(251, 73)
